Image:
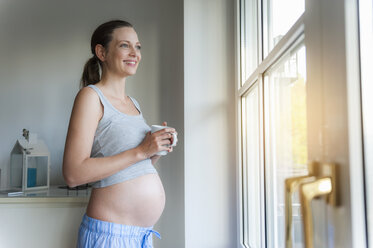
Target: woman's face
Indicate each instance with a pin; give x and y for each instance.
(123, 54)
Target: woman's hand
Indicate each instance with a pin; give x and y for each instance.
(156, 142)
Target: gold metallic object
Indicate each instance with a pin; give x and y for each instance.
(291, 185)
(320, 181)
(308, 191)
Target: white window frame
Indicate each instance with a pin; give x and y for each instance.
(292, 36)
(366, 55)
(298, 29)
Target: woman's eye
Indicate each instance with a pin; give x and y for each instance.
(124, 45)
(138, 47)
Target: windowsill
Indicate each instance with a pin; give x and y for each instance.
(51, 195)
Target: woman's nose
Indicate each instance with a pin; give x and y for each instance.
(133, 51)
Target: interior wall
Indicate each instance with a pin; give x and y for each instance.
(44, 45)
(171, 51)
(40, 225)
(209, 119)
(185, 78)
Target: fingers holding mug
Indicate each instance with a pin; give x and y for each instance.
(165, 133)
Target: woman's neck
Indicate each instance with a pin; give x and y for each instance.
(114, 86)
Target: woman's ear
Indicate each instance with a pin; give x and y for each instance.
(100, 52)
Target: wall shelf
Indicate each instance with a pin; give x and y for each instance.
(52, 195)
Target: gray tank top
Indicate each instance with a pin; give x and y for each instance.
(117, 132)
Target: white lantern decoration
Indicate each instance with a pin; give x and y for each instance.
(29, 163)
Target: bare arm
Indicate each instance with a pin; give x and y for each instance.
(78, 167)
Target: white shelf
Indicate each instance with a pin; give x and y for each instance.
(51, 195)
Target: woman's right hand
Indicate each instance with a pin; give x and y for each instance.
(156, 142)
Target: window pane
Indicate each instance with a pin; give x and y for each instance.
(281, 16)
(251, 170)
(249, 39)
(286, 143)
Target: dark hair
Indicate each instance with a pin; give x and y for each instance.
(102, 35)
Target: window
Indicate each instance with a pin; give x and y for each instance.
(252, 172)
(286, 141)
(249, 41)
(280, 16)
(272, 95)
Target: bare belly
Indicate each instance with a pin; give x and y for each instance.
(137, 202)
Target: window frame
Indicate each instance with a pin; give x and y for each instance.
(312, 18)
(244, 83)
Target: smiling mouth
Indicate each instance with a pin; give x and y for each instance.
(130, 62)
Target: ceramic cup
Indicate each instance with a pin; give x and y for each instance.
(156, 128)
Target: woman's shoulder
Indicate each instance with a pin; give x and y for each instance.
(87, 94)
(88, 100)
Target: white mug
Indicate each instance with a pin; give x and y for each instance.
(156, 128)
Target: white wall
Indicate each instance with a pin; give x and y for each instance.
(171, 51)
(210, 167)
(37, 225)
(186, 78)
(44, 45)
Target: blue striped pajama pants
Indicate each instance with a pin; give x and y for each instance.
(95, 233)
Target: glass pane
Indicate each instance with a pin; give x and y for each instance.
(37, 171)
(281, 16)
(286, 142)
(249, 42)
(366, 57)
(251, 170)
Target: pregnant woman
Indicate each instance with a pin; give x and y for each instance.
(110, 145)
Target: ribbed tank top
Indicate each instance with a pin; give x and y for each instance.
(117, 132)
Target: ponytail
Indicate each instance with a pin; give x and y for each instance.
(102, 35)
(91, 72)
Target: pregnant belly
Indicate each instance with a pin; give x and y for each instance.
(139, 201)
